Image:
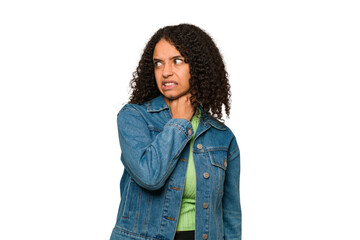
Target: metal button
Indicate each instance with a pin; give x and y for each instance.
(205, 205)
(206, 175)
(225, 162)
(204, 236)
(189, 132)
(199, 146)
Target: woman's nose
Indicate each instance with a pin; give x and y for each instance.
(167, 70)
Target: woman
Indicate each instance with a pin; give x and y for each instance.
(182, 164)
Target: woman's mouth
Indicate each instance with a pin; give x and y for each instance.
(168, 85)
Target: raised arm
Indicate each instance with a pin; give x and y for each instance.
(150, 161)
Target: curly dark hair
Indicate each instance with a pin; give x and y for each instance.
(209, 84)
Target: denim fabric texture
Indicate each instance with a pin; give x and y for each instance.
(155, 152)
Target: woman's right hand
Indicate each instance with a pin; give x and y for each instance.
(181, 107)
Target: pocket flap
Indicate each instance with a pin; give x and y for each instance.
(219, 159)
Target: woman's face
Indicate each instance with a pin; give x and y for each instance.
(171, 72)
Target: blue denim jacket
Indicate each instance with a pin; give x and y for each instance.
(155, 150)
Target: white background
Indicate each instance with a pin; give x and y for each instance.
(65, 68)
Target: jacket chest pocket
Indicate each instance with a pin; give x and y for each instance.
(218, 161)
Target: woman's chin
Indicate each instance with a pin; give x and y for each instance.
(171, 97)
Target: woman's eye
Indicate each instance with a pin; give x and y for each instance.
(178, 61)
(157, 64)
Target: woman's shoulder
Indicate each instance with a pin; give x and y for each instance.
(134, 107)
(131, 107)
(215, 123)
(143, 109)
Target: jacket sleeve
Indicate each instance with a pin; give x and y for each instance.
(150, 161)
(231, 197)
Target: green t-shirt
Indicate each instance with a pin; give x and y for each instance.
(187, 211)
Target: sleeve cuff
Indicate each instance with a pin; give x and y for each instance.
(183, 125)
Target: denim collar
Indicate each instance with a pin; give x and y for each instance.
(158, 104)
(212, 121)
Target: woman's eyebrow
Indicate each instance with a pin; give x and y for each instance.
(178, 56)
(174, 57)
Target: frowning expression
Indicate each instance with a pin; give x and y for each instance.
(172, 73)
